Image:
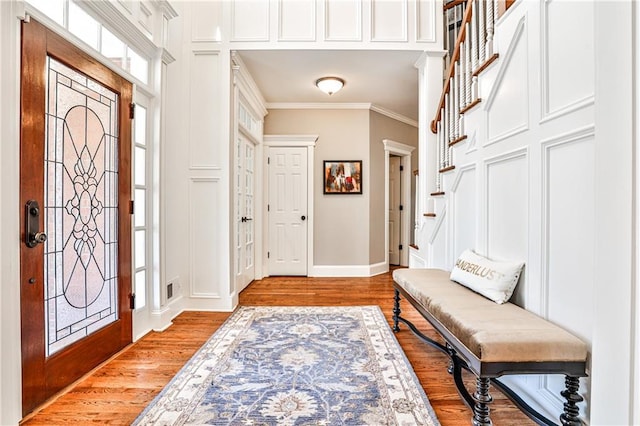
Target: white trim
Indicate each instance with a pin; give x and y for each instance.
(349, 270)
(404, 151)
(335, 105)
(247, 85)
(290, 140)
(10, 368)
(394, 115)
(107, 13)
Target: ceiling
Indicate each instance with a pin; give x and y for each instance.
(385, 78)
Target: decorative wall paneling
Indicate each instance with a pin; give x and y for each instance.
(463, 202)
(389, 20)
(507, 105)
(206, 21)
(567, 80)
(399, 23)
(343, 20)
(204, 253)
(533, 160)
(204, 120)
(297, 20)
(250, 20)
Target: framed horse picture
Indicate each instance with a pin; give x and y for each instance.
(342, 177)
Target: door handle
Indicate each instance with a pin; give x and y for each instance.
(246, 219)
(32, 233)
(303, 218)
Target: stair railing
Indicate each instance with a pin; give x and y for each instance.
(472, 53)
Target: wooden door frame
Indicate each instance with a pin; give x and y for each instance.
(289, 141)
(35, 388)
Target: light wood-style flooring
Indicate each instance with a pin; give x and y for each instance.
(119, 390)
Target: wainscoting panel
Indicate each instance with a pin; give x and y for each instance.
(206, 21)
(204, 110)
(507, 210)
(567, 80)
(296, 20)
(438, 242)
(568, 239)
(464, 210)
(508, 103)
(204, 205)
(568, 223)
(389, 20)
(249, 20)
(343, 20)
(426, 20)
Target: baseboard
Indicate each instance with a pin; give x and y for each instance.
(348, 270)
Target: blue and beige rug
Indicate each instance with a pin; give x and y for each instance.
(296, 366)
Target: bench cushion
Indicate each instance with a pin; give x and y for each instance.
(492, 332)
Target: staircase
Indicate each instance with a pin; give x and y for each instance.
(470, 45)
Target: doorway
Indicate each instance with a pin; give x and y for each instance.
(395, 209)
(288, 183)
(245, 212)
(75, 192)
(398, 182)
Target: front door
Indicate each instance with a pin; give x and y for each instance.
(245, 212)
(287, 211)
(75, 192)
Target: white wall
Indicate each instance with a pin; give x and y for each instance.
(341, 222)
(545, 177)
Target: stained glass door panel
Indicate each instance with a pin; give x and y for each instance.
(81, 193)
(75, 162)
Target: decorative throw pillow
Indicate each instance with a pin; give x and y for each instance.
(492, 279)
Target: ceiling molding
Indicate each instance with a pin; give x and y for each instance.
(398, 117)
(328, 105)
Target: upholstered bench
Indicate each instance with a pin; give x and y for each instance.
(491, 340)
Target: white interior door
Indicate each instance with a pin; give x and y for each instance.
(245, 212)
(394, 210)
(288, 211)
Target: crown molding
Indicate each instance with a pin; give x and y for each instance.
(329, 105)
(166, 8)
(248, 87)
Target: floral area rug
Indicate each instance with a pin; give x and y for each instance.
(296, 366)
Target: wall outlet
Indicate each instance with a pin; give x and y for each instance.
(169, 290)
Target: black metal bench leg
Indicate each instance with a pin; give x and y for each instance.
(483, 399)
(571, 410)
(396, 310)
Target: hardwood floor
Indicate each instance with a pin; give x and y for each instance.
(119, 390)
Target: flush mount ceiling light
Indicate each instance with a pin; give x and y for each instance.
(329, 85)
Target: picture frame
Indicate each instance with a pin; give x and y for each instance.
(342, 177)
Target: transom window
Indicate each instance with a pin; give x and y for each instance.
(79, 23)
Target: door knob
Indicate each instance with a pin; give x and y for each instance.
(246, 219)
(303, 218)
(32, 233)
